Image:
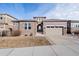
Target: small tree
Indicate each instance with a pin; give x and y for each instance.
(16, 33)
(4, 33)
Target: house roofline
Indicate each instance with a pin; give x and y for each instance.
(48, 20)
(55, 20)
(24, 21)
(39, 17)
(59, 20)
(9, 15)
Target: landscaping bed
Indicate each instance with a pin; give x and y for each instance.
(22, 41)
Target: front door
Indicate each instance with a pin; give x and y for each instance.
(40, 28)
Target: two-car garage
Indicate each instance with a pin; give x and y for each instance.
(52, 30)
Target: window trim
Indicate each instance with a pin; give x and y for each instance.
(25, 27)
(29, 26)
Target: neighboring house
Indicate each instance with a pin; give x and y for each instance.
(36, 25)
(6, 23)
(74, 25)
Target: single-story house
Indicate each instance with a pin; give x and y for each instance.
(39, 25)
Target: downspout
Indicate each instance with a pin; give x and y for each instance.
(18, 25)
(69, 27)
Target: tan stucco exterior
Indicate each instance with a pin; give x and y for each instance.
(54, 23)
(27, 31)
(8, 21)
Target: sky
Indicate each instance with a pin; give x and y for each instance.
(50, 10)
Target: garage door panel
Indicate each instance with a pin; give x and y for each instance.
(53, 31)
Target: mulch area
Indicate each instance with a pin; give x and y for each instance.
(22, 41)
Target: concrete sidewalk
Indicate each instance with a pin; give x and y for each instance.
(53, 50)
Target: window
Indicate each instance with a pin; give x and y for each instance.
(29, 26)
(25, 25)
(39, 27)
(52, 26)
(60, 26)
(56, 27)
(48, 26)
(78, 26)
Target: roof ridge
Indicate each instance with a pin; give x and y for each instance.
(8, 15)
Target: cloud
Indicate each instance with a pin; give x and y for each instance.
(40, 11)
(64, 11)
(51, 10)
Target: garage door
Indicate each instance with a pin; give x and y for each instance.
(53, 31)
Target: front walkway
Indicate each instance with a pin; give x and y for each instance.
(39, 34)
(65, 46)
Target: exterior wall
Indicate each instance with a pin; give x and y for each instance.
(74, 26)
(16, 24)
(6, 21)
(28, 31)
(64, 24)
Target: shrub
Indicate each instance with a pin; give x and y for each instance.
(4, 33)
(76, 32)
(25, 34)
(31, 34)
(16, 33)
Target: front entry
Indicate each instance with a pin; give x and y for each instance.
(40, 28)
